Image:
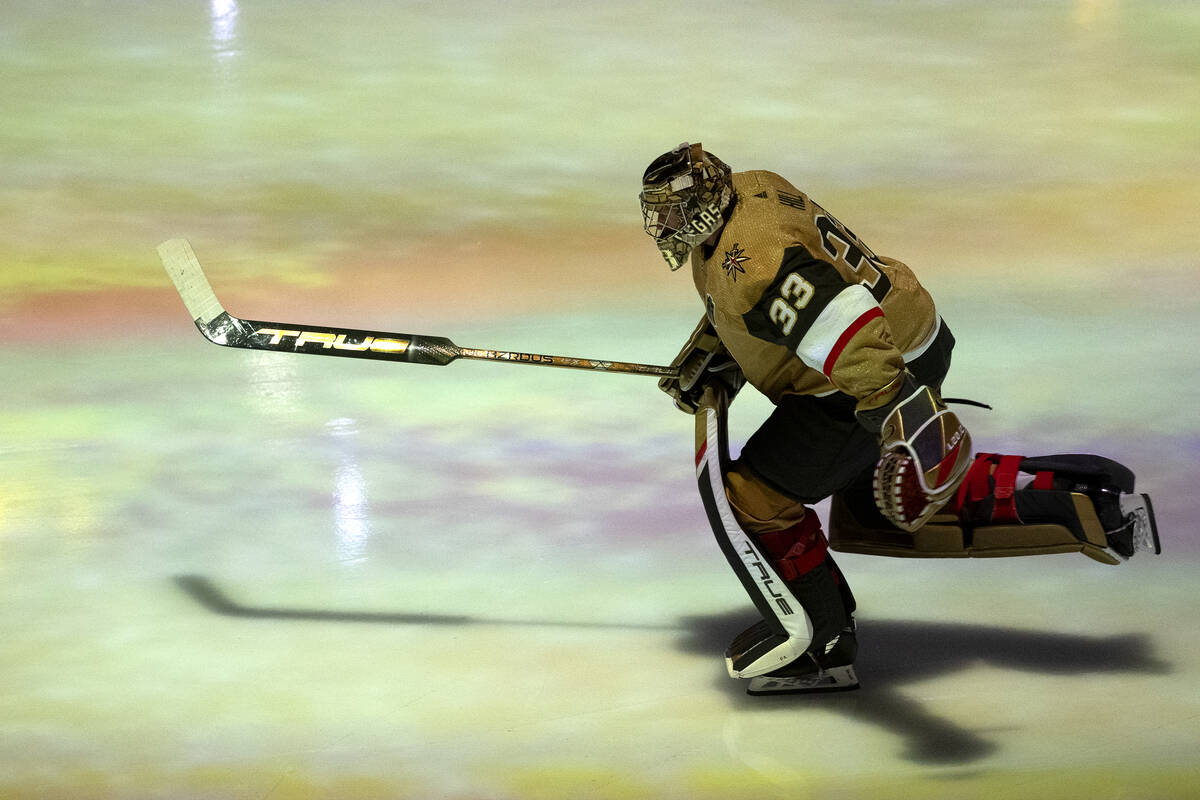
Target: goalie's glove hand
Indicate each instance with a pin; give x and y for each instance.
(702, 360)
(924, 454)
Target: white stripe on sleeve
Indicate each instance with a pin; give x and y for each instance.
(842, 311)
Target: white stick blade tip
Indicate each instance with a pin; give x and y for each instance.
(185, 272)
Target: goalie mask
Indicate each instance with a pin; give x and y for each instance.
(684, 195)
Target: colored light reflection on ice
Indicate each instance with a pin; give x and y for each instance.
(224, 15)
(351, 514)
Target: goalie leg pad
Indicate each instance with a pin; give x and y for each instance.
(784, 566)
(1081, 506)
(801, 557)
(944, 536)
(786, 630)
(799, 554)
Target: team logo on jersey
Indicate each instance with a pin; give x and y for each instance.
(733, 261)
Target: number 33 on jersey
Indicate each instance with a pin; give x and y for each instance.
(789, 288)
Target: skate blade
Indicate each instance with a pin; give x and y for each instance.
(838, 679)
(1145, 529)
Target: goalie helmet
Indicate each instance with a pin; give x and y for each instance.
(684, 195)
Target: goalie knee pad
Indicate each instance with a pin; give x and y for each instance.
(1014, 506)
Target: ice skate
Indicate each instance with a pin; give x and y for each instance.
(832, 671)
(1139, 533)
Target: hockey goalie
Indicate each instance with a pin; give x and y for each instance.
(851, 350)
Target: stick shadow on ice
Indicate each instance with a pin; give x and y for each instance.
(205, 592)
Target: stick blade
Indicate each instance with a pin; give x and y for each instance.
(185, 272)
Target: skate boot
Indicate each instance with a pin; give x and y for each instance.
(1138, 532)
(828, 663)
(830, 671)
(1126, 516)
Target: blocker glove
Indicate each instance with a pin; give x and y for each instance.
(702, 359)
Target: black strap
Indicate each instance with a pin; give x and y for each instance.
(964, 402)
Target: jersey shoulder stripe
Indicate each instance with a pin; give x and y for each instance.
(849, 313)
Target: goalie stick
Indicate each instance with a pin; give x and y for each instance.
(220, 327)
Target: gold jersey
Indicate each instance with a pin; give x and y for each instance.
(802, 304)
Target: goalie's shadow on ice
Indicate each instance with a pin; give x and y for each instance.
(896, 653)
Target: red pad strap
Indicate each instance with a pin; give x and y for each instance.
(1001, 483)
(1043, 480)
(802, 558)
(1005, 508)
(975, 484)
(796, 550)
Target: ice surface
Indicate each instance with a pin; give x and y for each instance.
(239, 574)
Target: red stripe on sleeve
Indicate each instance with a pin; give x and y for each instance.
(847, 335)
